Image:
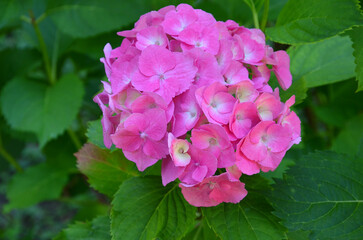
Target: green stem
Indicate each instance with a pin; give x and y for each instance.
(265, 15)
(74, 138)
(43, 48)
(254, 14)
(9, 158)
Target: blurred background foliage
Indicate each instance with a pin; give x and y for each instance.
(50, 71)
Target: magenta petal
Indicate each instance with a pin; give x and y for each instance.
(169, 172)
(199, 173)
(142, 161)
(156, 60)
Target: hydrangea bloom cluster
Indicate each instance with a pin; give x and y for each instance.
(193, 92)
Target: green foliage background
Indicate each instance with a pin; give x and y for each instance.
(50, 71)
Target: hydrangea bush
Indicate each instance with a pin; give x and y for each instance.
(194, 92)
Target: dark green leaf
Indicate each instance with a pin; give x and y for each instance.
(98, 229)
(105, 170)
(357, 37)
(306, 21)
(144, 209)
(250, 219)
(323, 193)
(324, 62)
(44, 110)
(85, 18)
(41, 182)
(349, 139)
(201, 231)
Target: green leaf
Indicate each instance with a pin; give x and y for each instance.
(306, 21)
(144, 209)
(297, 88)
(44, 110)
(44, 181)
(323, 193)
(349, 139)
(81, 18)
(250, 219)
(357, 37)
(105, 170)
(201, 231)
(324, 62)
(98, 229)
(95, 133)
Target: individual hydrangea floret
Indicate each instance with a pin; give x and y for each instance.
(193, 92)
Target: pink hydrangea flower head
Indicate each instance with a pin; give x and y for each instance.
(193, 92)
(213, 191)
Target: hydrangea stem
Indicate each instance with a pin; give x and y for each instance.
(75, 140)
(265, 15)
(43, 48)
(9, 158)
(252, 6)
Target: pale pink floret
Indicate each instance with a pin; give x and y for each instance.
(216, 103)
(199, 36)
(178, 150)
(234, 173)
(282, 69)
(154, 35)
(269, 106)
(123, 100)
(143, 135)
(187, 112)
(260, 77)
(213, 191)
(214, 139)
(244, 91)
(202, 164)
(169, 172)
(177, 20)
(235, 73)
(243, 118)
(263, 148)
(163, 72)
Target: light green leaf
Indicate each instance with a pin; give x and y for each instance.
(357, 37)
(324, 62)
(306, 21)
(105, 170)
(144, 209)
(98, 229)
(95, 133)
(323, 193)
(349, 139)
(250, 219)
(44, 110)
(82, 18)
